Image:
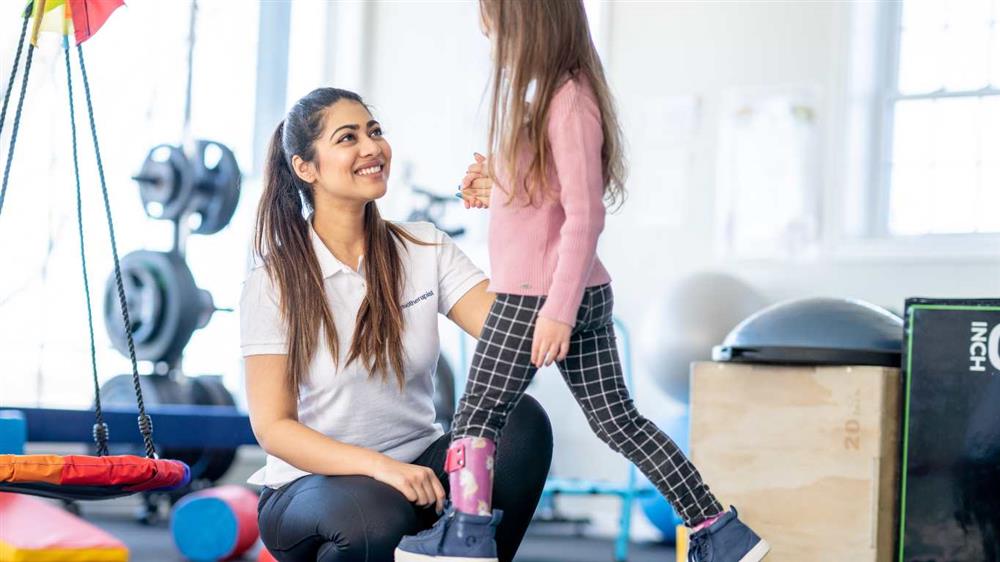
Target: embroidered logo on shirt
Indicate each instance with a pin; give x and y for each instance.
(525, 285)
(422, 297)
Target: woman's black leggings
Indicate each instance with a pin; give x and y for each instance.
(359, 519)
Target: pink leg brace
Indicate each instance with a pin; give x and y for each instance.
(470, 473)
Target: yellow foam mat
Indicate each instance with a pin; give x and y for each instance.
(33, 530)
(10, 553)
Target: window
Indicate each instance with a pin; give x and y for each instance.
(939, 172)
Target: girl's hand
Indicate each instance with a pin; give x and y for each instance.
(550, 342)
(418, 483)
(475, 192)
(476, 185)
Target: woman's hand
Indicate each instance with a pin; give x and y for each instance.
(550, 342)
(476, 185)
(418, 483)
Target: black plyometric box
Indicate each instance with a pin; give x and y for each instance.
(950, 482)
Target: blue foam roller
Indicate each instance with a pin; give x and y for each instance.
(216, 523)
(204, 529)
(13, 432)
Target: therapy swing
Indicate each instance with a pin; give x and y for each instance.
(83, 477)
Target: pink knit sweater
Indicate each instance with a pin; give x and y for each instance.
(551, 248)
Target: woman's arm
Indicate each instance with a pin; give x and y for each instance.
(470, 311)
(274, 418)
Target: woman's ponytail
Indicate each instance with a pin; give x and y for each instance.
(283, 244)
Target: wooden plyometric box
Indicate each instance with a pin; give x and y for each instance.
(808, 455)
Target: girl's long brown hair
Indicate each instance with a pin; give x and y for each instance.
(282, 241)
(544, 42)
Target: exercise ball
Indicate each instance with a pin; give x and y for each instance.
(655, 507)
(683, 324)
(215, 524)
(817, 331)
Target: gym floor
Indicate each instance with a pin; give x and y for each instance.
(152, 543)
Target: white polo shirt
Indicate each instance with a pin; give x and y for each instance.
(345, 403)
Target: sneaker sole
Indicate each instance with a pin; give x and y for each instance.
(403, 556)
(756, 554)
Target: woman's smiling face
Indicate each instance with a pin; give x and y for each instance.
(352, 158)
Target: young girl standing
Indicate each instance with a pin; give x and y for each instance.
(555, 139)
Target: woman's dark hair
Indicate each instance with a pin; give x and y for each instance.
(282, 241)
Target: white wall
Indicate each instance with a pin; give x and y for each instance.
(704, 49)
(428, 73)
(429, 67)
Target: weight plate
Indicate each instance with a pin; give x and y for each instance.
(145, 304)
(208, 390)
(167, 305)
(166, 182)
(217, 180)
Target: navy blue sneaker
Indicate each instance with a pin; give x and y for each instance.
(456, 537)
(727, 540)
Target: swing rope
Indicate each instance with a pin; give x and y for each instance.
(145, 423)
(100, 427)
(17, 113)
(13, 72)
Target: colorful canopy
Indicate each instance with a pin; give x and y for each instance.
(81, 18)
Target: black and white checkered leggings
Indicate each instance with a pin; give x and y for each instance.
(501, 370)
